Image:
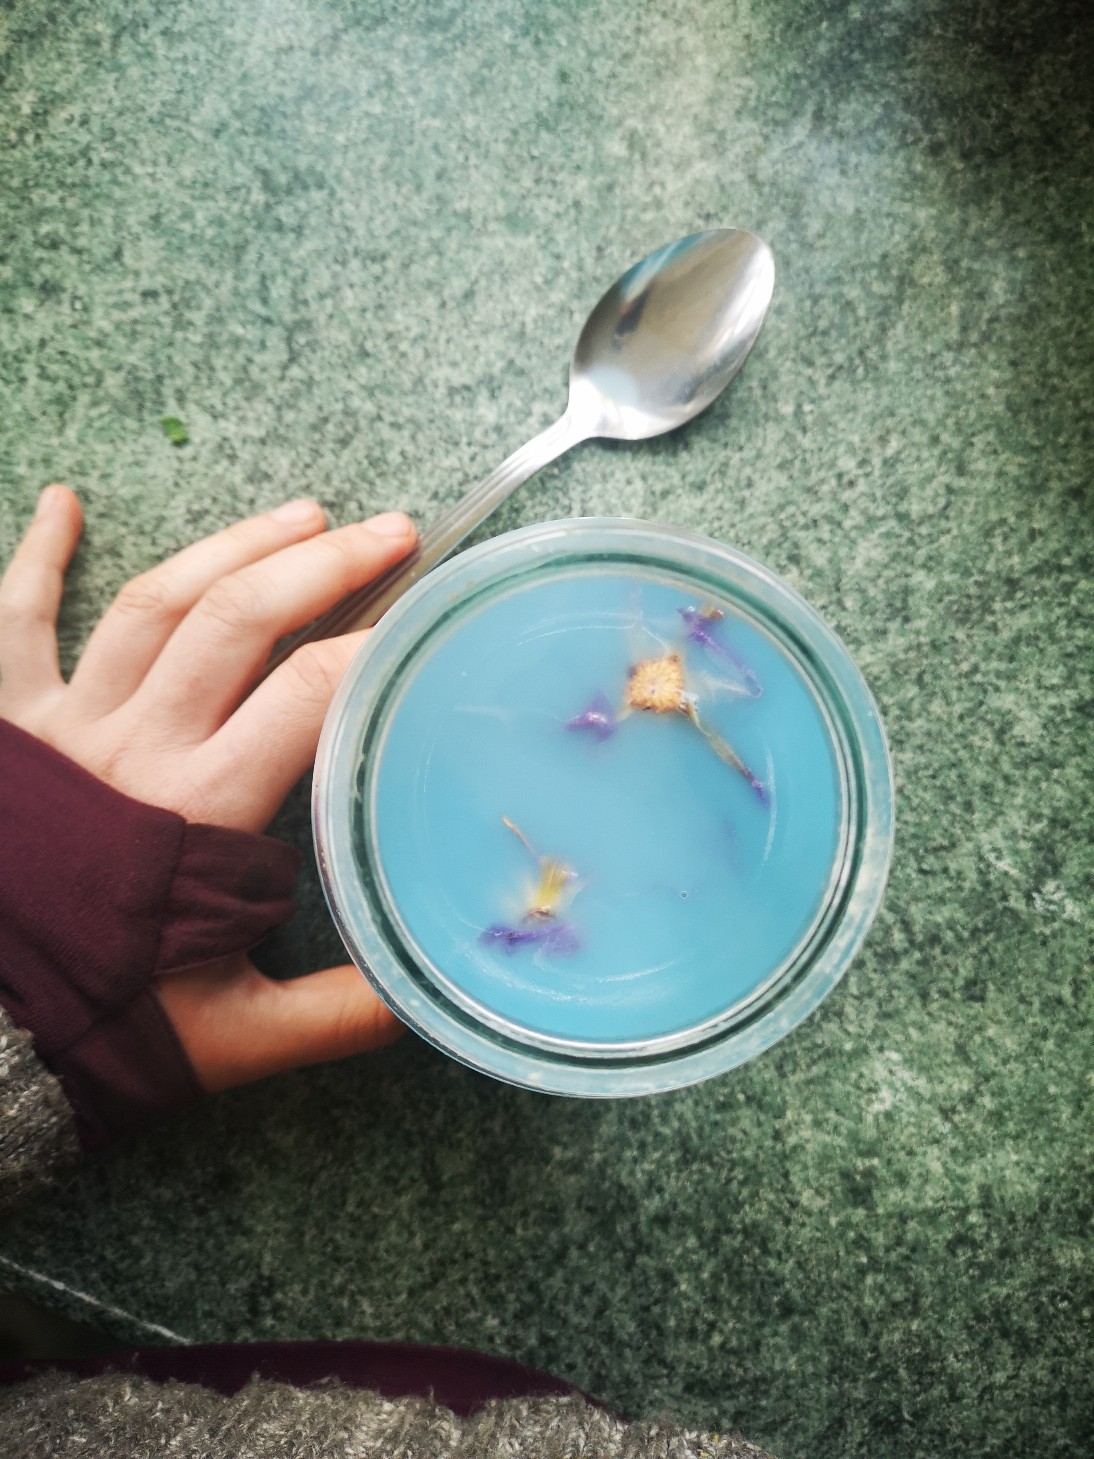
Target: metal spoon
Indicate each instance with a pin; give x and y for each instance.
(662, 343)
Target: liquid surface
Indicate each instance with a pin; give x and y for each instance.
(590, 870)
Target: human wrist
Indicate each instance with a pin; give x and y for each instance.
(99, 895)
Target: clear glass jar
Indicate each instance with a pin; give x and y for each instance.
(416, 983)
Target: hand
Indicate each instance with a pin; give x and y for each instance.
(163, 706)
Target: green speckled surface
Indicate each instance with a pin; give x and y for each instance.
(349, 243)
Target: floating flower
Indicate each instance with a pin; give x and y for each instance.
(658, 685)
(539, 927)
(700, 623)
(598, 717)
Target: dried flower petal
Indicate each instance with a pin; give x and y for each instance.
(509, 937)
(725, 751)
(558, 939)
(598, 716)
(556, 879)
(700, 626)
(555, 882)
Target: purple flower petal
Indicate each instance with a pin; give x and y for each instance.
(558, 939)
(509, 938)
(598, 717)
(700, 626)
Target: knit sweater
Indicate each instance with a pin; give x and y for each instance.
(117, 1414)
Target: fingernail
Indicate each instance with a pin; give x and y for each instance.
(390, 524)
(49, 500)
(301, 510)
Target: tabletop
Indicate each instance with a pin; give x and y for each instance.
(349, 244)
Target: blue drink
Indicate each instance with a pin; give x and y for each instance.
(690, 887)
(602, 808)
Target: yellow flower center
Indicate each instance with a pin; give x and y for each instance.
(658, 684)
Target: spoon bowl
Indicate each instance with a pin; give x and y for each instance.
(670, 335)
(665, 339)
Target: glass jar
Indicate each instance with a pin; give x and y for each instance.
(415, 799)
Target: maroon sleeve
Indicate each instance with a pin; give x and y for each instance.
(99, 893)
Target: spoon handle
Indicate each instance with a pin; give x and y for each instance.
(365, 607)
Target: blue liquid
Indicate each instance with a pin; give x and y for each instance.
(691, 886)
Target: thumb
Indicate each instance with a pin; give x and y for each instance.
(237, 1025)
(331, 1014)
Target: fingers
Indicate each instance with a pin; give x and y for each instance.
(30, 596)
(216, 653)
(235, 1025)
(252, 762)
(147, 611)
